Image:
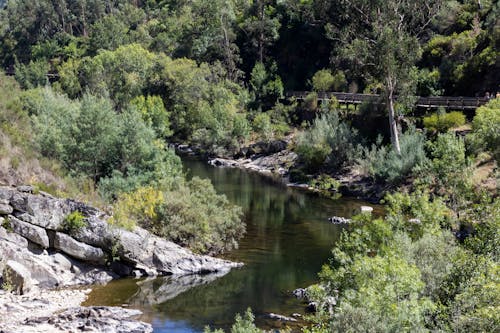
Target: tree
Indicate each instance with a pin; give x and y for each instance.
(382, 38)
(261, 26)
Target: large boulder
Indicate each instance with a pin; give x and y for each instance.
(17, 277)
(35, 234)
(77, 249)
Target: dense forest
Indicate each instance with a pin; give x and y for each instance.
(94, 95)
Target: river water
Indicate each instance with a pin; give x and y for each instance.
(287, 241)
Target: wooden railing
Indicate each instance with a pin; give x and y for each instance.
(447, 102)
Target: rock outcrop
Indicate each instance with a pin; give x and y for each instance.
(35, 236)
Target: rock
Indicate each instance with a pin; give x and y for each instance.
(35, 234)
(17, 277)
(121, 269)
(25, 217)
(280, 317)
(339, 220)
(77, 249)
(25, 188)
(366, 209)
(300, 292)
(63, 261)
(312, 307)
(5, 209)
(92, 319)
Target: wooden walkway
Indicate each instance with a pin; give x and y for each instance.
(449, 103)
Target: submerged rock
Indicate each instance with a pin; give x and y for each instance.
(339, 220)
(279, 317)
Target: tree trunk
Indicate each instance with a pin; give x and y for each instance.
(392, 120)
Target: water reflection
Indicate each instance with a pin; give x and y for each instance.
(288, 239)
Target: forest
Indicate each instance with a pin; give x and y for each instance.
(95, 95)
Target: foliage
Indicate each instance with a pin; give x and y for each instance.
(262, 126)
(486, 127)
(33, 74)
(327, 185)
(329, 142)
(89, 138)
(441, 122)
(449, 170)
(386, 165)
(323, 80)
(154, 114)
(243, 324)
(73, 222)
(192, 215)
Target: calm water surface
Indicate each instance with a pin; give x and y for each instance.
(288, 239)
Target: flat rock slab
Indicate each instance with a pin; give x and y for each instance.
(77, 249)
(32, 232)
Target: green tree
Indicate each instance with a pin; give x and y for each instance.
(154, 114)
(383, 40)
(261, 26)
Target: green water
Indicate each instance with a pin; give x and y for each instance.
(288, 239)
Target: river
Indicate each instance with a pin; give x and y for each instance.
(287, 241)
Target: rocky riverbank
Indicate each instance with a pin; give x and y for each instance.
(40, 250)
(275, 159)
(57, 311)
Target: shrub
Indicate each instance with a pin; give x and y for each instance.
(329, 142)
(73, 222)
(441, 122)
(486, 127)
(243, 324)
(193, 215)
(262, 125)
(385, 165)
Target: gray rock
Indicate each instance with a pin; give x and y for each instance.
(5, 209)
(17, 277)
(92, 319)
(300, 293)
(339, 220)
(25, 217)
(61, 260)
(279, 317)
(365, 209)
(35, 234)
(77, 249)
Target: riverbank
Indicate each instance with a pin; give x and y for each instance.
(275, 159)
(58, 311)
(49, 243)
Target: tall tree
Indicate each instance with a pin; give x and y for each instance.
(382, 38)
(261, 26)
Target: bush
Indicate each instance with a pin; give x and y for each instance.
(193, 215)
(328, 142)
(486, 128)
(243, 324)
(262, 126)
(73, 222)
(441, 122)
(385, 165)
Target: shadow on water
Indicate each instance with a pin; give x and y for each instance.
(288, 239)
